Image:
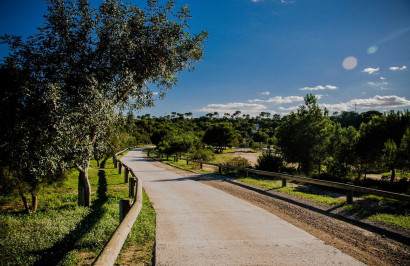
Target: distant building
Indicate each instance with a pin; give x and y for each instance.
(255, 128)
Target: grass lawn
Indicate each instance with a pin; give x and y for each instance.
(388, 211)
(62, 233)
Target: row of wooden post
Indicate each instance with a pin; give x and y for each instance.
(125, 204)
(349, 193)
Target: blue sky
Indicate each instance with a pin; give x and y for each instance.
(266, 55)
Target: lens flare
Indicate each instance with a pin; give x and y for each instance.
(372, 49)
(349, 63)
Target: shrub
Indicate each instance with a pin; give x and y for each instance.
(269, 162)
(336, 169)
(239, 162)
(202, 154)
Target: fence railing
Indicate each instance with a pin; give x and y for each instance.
(349, 188)
(129, 210)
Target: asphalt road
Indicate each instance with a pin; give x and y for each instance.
(201, 225)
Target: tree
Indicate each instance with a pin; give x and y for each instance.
(220, 136)
(27, 124)
(389, 157)
(236, 114)
(177, 144)
(260, 136)
(404, 151)
(342, 150)
(101, 60)
(302, 138)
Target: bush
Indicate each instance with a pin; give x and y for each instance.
(239, 162)
(336, 169)
(269, 162)
(203, 154)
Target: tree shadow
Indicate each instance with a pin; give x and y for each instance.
(54, 254)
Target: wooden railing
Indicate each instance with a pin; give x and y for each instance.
(349, 188)
(129, 211)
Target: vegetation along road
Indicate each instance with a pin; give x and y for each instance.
(198, 224)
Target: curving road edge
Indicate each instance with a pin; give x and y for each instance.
(200, 225)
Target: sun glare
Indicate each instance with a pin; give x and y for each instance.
(349, 63)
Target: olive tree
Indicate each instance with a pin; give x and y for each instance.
(31, 141)
(104, 59)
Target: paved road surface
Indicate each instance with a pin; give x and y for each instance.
(201, 225)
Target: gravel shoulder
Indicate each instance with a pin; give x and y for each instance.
(370, 243)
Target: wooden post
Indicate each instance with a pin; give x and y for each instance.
(247, 173)
(119, 167)
(200, 164)
(124, 208)
(349, 197)
(187, 162)
(284, 182)
(114, 161)
(220, 170)
(131, 190)
(126, 171)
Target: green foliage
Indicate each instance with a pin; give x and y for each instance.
(83, 65)
(260, 136)
(304, 136)
(174, 143)
(220, 136)
(269, 162)
(238, 162)
(204, 154)
(61, 232)
(389, 156)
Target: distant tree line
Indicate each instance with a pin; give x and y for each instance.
(346, 144)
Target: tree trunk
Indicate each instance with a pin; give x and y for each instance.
(84, 188)
(34, 202)
(98, 163)
(393, 175)
(26, 206)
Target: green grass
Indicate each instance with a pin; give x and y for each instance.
(399, 174)
(62, 233)
(384, 210)
(276, 185)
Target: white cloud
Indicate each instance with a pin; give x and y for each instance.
(398, 68)
(382, 78)
(377, 102)
(280, 99)
(319, 87)
(330, 87)
(245, 108)
(255, 1)
(290, 108)
(370, 70)
(155, 93)
(265, 93)
(381, 85)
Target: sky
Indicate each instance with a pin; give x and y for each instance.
(266, 55)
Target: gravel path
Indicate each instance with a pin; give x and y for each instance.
(201, 225)
(371, 244)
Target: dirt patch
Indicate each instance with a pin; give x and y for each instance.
(361, 239)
